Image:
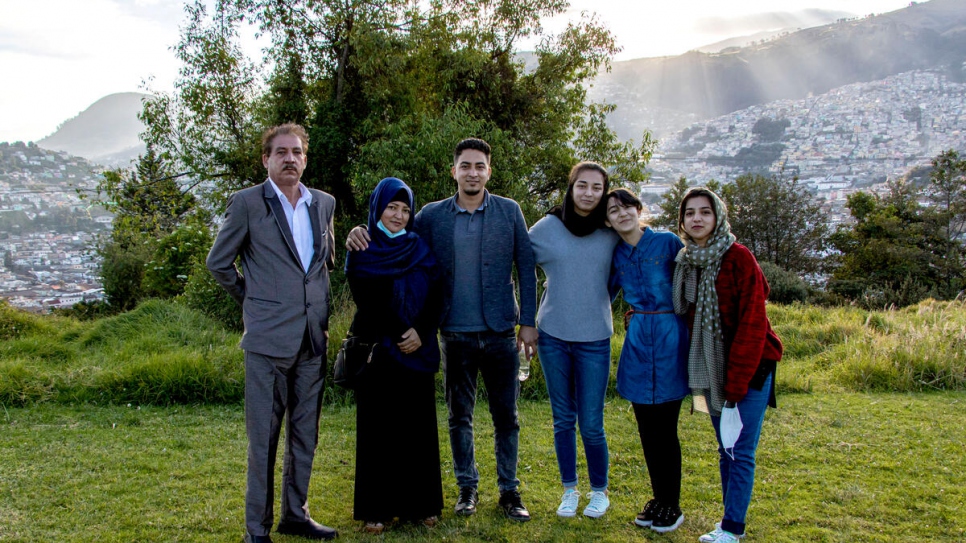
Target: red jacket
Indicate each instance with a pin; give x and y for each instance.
(748, 336)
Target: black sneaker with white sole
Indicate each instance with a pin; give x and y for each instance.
(667, 518)
(646, 516)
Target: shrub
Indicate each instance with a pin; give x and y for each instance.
(86, 310)
(202, 293)
(175, 257)
(786, 287)
(122, 272)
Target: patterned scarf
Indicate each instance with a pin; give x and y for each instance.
(706, 357)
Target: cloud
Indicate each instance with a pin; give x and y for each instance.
(163, 12)
(730, 26)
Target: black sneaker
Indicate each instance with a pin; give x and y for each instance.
(667, 518)
(512, 506)
(646, 517)
(466, 505)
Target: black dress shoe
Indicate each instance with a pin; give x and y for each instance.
(513, 507)
(249, 538)
(309, 529)
(466, 505)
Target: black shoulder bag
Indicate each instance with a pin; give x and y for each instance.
(354, 357)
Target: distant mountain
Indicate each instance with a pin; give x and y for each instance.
(775, 24)
(666, 94)
(105, 133)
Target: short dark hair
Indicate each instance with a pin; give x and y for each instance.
(268, 136)
(626, 198)
(475, 144)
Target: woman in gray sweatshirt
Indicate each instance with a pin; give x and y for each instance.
(574, 249)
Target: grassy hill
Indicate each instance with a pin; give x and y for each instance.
(163, 353)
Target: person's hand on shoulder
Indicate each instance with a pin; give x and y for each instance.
(358, 239)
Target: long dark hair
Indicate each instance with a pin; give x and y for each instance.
(566, 212)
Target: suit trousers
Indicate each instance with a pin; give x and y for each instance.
(277, 388)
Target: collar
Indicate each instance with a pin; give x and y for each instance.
(304, 193)
(460, 209)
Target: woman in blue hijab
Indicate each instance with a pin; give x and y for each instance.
(395, 286)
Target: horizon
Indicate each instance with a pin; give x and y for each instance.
(105, 47)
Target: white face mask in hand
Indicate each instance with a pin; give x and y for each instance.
(730, 428)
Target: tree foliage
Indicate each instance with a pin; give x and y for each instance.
(779, 221)
(387, 87)
(148, 205)
(897, 252)
(947, 193)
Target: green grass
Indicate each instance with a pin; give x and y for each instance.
(163, 353)
(839, 467)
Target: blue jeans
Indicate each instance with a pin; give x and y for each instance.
(738, 475)
(493, 355)
(577, 375)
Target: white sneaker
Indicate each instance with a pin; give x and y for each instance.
(599, 502)
(568, 503)
(719, 536)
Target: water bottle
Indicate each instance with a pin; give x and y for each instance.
(524, 365)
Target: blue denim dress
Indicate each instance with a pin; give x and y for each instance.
(653, 366)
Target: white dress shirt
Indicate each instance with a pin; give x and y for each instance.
(299, 223)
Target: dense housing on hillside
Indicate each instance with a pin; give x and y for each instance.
(47, 228)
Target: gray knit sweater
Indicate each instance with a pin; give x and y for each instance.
(576, 304)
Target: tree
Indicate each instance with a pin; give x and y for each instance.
(894, 252)
(779, 221)
(148, 204)
(206, 130)
(374, 79)
(947, 192)
(670, 204)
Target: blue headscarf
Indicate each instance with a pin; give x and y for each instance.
(405, 259)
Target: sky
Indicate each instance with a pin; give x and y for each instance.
(58, 57)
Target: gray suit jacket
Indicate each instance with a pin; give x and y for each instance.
(505, 243)
(280, 301)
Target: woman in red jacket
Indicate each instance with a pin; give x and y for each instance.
(733, 352)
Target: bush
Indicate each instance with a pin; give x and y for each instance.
(175, 257)
(786, 287)
(122, 272)
(202, 293)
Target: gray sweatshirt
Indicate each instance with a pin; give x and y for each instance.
(576, 304)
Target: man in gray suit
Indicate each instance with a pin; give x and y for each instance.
(283, 233)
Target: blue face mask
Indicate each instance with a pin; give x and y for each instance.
(386, 231)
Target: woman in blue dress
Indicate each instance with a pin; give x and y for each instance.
(652, 372)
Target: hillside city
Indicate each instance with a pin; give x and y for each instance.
(855, 137)
(852, 138)
(46, 229)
